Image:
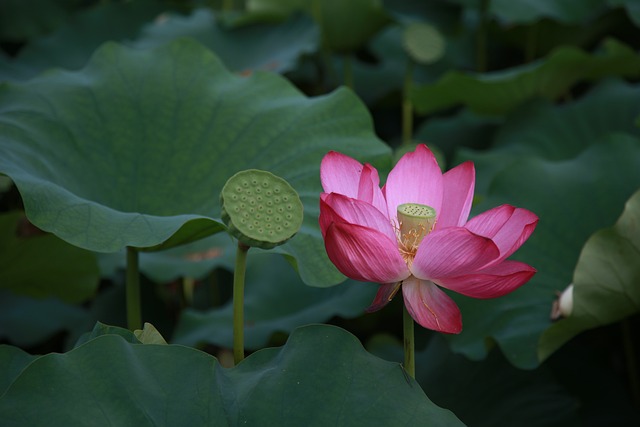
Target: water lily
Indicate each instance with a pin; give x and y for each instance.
(414, 234)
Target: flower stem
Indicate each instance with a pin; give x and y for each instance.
(409, 344)
(238, 302)
(134, 316)
(407, 105)
(188, 286)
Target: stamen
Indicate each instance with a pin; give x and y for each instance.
(395, 290)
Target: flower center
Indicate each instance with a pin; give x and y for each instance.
(415, 221)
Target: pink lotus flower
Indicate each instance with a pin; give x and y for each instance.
(413, 233)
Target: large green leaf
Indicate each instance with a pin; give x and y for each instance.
(374, 80)
(72, 44)
(562, 133)
(605, 280)
(40, 323)
(632, 8)
(13, 360)
(589, 195)
(21, 20)
(464, 129)
(134, 149)
(486, 393)
(274, 47)
(43, 265)
(101, 329)
(574, 166)
(345, 25)
(282, 7)
(321, 376)
(13, 70)
(491, 392)
(275, 301)
(527, 11)
(27, 322)
(500, 91)
(194, 260)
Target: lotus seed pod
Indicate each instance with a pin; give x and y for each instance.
(415, 221)
(260, 209)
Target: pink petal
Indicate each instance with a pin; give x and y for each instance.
(457, 196)
(338, 208)
(416, 178)
(489, 223)
(385, 294)
(364, 254)
(326, 217)
(340, 174)
(507, 226)
(430, 306)
(369, 189)
(452, 252)
(491, 282)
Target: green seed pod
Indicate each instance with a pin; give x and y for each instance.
(415, 221)
(423, 43)
(260, 209)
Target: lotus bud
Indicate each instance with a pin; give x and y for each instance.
(563, 306)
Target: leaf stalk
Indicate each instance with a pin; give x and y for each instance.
(134, 311)
(238, 302)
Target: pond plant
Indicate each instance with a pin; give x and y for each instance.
(345, 213)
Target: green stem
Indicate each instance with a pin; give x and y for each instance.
(188, 287)
(409, 344)
(632, 368)
(348, 71)
(134, 316)
(238, 302)
(407, 105)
